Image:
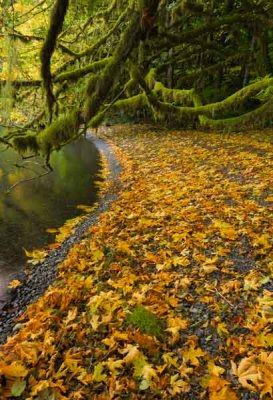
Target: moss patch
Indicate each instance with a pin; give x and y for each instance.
(145, 321)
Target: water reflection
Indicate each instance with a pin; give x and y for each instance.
(34, 206)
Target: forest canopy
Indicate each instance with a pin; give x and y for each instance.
(66, 66)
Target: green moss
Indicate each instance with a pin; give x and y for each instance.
(58, 133)
(176, 96)
(80, 72)
(145, 321)
(261, 116)
(55, 27)
(103, 39)
(130, 87)
(108, 76)
(150, 78)
(26, 143)
(237, 98)
(96, 121)
(132, 104)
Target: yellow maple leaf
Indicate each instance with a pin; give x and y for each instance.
(175, 325)
(125, 248)
(97, 255)
(114, 365)
(98, 374)
(262, 240)
(13, 370)
(247, 373)
(226, 230)
(170, 359)
(222, 328)
(14, 284)
(181, 261)
(215, 369)
(148, 372)
(270, 198)
(208, 269)
(192, 355)
(178, 385)
(132, 353)
(225, 393)
(266, 339)
(40, 386)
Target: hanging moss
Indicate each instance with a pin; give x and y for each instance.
(55, 27)
(170, 108)
(237, 98)
(26, 143)
(260, 116)
(199, 110)
(92, 84)
(97, 120)
(132, 104)
(58, 133)
(130, 87)
(176, 96)
(150, 78)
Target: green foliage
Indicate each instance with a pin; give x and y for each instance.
(145, 321)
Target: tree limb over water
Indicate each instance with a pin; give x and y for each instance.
(201, 56)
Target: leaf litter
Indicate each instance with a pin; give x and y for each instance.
(170, 294)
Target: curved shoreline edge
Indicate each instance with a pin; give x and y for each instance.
(44, 273)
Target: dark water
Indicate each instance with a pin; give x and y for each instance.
(33, 207)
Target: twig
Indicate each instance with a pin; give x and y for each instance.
(28, 180)
(226, 300)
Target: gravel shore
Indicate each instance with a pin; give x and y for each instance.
(44, 273)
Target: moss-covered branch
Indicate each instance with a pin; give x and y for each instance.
(166, 103)
(207, 28)
(55, 27)
(99, 89)
(19, 84)
(102, 39)
(80, 72)
(52, 138)
(260, 116)
(131, 104)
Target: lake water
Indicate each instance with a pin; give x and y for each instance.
(33, 207)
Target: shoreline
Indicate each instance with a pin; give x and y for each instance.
(44, 273)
